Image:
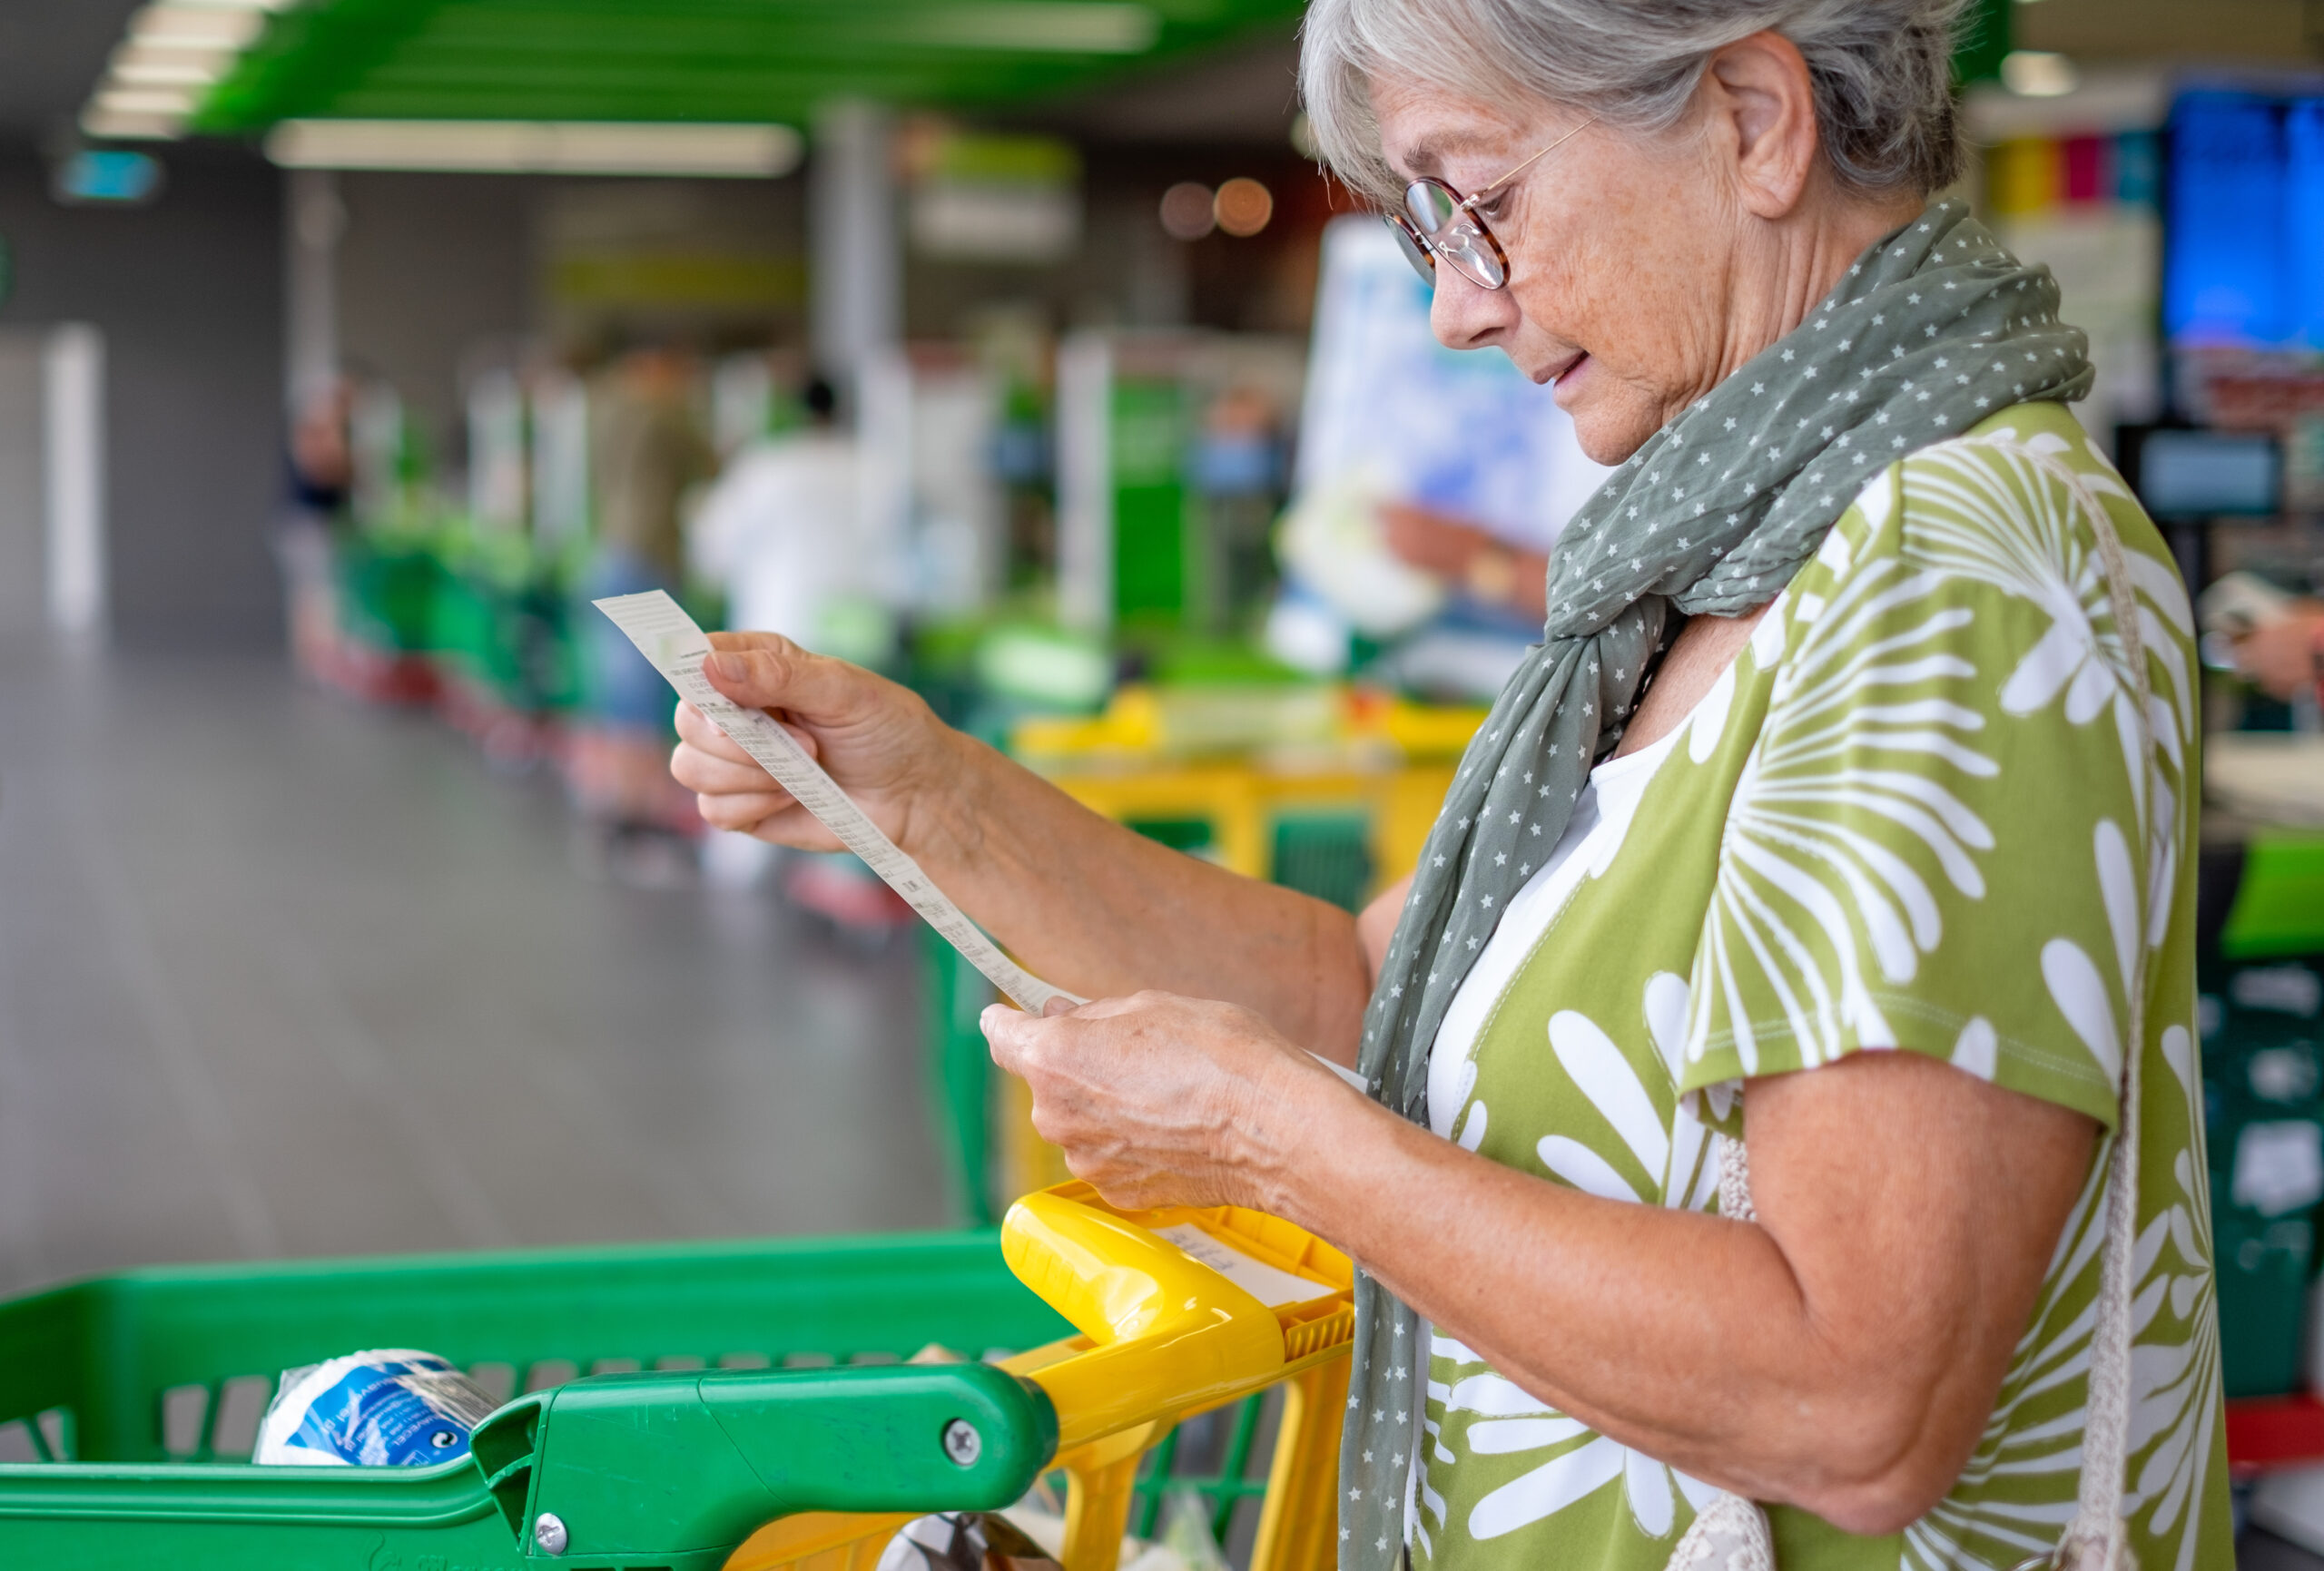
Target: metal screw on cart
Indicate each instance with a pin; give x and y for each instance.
(549, 1532)
(962, 1443)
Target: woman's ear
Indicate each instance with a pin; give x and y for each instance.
(1761, 108)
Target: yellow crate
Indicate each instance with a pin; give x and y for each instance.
(1163, 1338)
(1157, 755)
(1389, 759)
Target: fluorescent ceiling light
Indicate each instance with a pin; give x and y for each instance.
(1044, 25)
(119, 126)
(146, 100)
(537, 147)
(215, 57)
(2037, 74)
(189, 72)
(175, 22)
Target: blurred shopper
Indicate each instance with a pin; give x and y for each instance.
(318, 478)
(1781, 1135)
(322, 469)
(647, 453)
(1494, 572)
(1238, 470)
(2284, 656)
(782, 531)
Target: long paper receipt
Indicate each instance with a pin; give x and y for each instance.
(1271, 1285)
(668, 637)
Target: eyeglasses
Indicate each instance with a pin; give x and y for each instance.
(1439, 222)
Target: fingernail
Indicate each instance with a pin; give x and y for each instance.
(728, 667)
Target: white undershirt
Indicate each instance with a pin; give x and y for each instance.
(1601, 815)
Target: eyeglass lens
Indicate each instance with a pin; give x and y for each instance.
(1409, 244)
(1452, 233)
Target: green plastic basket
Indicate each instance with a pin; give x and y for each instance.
(501, 623)
(131, 1389)
(2278, 907)
(1328, 854)
(388, 584)
(2261, 1064)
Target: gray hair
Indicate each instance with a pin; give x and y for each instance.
(1882, 71)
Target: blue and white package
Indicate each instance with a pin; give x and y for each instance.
(386, 1407)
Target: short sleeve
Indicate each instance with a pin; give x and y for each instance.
(1941, 839)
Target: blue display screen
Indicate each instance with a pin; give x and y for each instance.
(108, 174)
(2245, 199)
(2204, 474)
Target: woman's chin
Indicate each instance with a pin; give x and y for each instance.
(1607, 437)
(1608, 425)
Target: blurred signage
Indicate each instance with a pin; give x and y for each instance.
(106, 175)
(991, 198)
(2204, 474)
(2246, 198)
(660, 256)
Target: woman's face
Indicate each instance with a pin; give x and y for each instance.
(1623, 253)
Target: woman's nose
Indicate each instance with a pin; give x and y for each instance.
(1464, 316)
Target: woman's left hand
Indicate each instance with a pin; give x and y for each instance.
(1161, 1100)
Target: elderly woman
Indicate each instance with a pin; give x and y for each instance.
(1845, 806)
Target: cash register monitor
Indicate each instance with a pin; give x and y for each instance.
(2194, 474)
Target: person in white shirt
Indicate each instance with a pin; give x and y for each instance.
(782, 529)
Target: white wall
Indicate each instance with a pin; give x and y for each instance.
(73, 472)
(52, 479)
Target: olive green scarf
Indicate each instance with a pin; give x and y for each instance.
(1933, 330)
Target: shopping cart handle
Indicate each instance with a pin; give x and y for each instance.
(1173, 1336)
(677, 1469)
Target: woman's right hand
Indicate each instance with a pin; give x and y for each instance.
(879, 741)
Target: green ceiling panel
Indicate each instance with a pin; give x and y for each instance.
(699, 60)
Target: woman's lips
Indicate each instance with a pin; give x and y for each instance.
(1567, 381)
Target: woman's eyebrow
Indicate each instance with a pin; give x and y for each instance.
(1428, 155)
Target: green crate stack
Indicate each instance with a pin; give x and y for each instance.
(2263, 1086)
(389, 584)
(503, 622)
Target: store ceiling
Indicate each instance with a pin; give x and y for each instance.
(1247, 94)
(726, 61)
(50, 51)
(1081, 64)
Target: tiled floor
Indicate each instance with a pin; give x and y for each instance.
(282, 976)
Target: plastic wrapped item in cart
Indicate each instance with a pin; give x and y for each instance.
(963, 1541)
(386, 1407)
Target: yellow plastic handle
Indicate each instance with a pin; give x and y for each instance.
(1163, 1337)
(1171, 1336)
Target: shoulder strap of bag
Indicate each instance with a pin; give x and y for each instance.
(1731, 1534)
(2098, 1539)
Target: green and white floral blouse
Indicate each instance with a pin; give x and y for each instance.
(1910, 817)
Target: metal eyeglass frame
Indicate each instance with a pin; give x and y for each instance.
(1454, 231)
